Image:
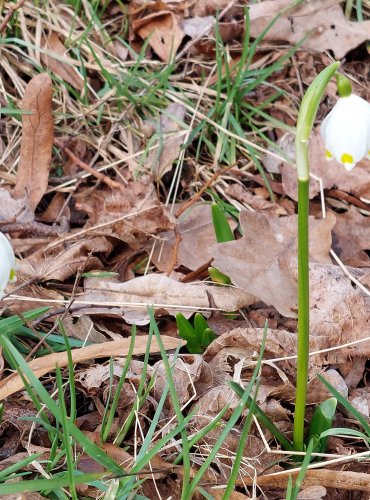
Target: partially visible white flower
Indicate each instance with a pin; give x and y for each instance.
(7, 263)
(346, 131)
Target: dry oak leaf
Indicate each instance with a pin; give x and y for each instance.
(62, 263)
(263, 261)
(351, 237)
(164, 32)
(169, 142)
(132, 214)
(119, 348)
(339, 316)
(323, 20)
(135, 296)
(357, 181)
(197, 233)
(56, 60)
(37, 141)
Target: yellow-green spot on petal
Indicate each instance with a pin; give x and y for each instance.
(328, 154)
(346, 158)
(12, 275)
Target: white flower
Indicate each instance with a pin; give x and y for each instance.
(346, 131)
(7, 263)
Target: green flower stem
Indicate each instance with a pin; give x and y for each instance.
(306, 117)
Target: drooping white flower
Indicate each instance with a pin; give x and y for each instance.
(7, 263)
(346, 131)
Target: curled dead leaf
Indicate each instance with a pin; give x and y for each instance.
(135, 296)
(169, 142)
(60, 263)
(37, 140)
(164, 32)
(62, 65)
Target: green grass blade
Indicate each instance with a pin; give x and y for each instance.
(47, 484)
(231, 422)
(263, 418)
(66, 437)
(90, 448)
(293, 493)
(117, 394)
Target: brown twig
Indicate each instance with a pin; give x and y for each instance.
(9, 14)
(338, 479)
(198, 274)
(196, 197)
(175, 251)
(101, 177)
(35, 228)
(341, 195)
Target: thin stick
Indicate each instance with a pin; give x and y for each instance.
(101, 177)
(9, 14)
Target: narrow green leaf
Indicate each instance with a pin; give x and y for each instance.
(344, 401)
(187, 332)
(263, 418)
(293, 493)
(218, 277)
(322, 421)
(221, 225)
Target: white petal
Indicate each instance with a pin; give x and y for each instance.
(7, 261)
(346, 130)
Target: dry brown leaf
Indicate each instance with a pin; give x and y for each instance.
(324, 20)
(94, 379)
(60, 263)
(234, 495)
(136, 210)
(197, 233)
(262, 262)
(164, 32)
(258, 203)
(203, 8)
(164, 293)
(360, 399)
(192, 378)
(196, 27)
(160, 159)
(312, 493)
(351, 237)
(339, 315)
(353, 371)
(12, 210)
(37, 140)
(83, 329)
(46, 364)
(357, 181)
(65, 68)
(56, 208)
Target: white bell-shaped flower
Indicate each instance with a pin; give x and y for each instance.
(346, 131)
(7, 263)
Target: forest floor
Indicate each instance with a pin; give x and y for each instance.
(149, 191)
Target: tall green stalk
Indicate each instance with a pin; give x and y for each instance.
(306, 117)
